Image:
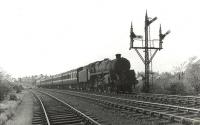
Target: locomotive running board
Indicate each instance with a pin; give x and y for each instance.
(98, 73)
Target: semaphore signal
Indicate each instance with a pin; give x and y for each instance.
(147, 59)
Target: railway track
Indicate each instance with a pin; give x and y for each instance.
(184, 101)
(53, 111)
(147, 110)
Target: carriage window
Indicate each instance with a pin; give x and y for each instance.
(67, 76)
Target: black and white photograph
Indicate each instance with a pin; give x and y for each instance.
(99, 62)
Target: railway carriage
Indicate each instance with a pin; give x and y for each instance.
(44, 82)
(38, 83)
(57, 80)
(69, 79)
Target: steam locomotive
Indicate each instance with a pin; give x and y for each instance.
(104, 76)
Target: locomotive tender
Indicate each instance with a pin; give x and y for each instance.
(105, 76)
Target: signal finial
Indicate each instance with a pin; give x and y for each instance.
(160, 31)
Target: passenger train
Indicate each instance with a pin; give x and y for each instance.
(104, 76)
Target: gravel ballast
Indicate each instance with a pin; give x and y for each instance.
(104, 114)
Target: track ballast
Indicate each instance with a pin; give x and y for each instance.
(146, 110)
(54, 111)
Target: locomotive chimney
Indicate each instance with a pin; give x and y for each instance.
(118, 56)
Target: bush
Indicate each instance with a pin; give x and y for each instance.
(18, 88)
(13, 97)
(176, 88)
(157, 89)
(4, 89)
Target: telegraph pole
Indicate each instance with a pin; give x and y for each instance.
(146, 48)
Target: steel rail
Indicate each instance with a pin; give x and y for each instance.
(77, 111)
(43, 108)
(161, 95)
(169, 116)
(142, 102)
(176, 96)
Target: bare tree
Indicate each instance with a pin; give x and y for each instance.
(192, 73)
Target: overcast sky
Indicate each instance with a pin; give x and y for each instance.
(48, 37)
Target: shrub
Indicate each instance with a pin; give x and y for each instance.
(4, 89)
(157, 89)
(176, 88)
(13, 97)
(18, 88)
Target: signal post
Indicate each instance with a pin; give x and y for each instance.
(147, 59)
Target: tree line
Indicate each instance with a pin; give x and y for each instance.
(185, 79)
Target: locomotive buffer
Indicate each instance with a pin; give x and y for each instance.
(147, 47)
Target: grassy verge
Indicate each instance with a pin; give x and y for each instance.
(8, 107)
